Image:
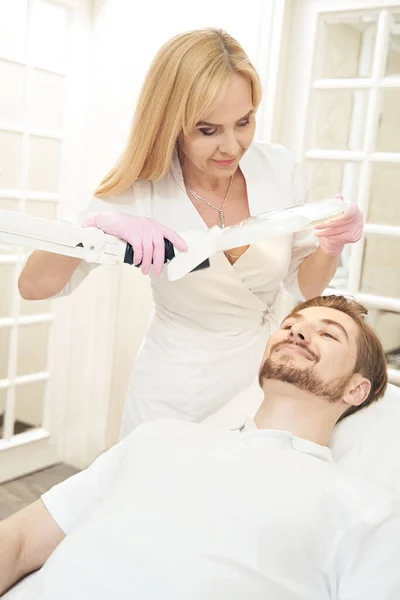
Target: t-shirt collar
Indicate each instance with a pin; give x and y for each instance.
(249, 428)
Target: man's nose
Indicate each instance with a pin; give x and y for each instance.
(230, 144)
(300, 332)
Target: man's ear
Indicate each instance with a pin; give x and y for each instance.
(357, 391)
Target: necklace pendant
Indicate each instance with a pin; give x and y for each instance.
(220, 210)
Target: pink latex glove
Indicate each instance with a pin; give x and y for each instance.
(146, 236)
(336, 233)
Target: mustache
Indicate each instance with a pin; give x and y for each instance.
(299, 345)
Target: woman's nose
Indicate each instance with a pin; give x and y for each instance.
(230, 145)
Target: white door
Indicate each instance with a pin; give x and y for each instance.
(43, 49)
(341, 116)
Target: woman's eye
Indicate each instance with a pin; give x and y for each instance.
(208, 131)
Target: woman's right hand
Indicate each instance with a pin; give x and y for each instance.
(146, 236)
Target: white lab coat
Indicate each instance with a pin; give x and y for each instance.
(208, 330)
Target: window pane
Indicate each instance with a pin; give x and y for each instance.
(3, 398)
(29, 402)
(47, 100)
(393, 58)
(12, 28)
(349, 47)
(389, 123)
(12, 81)
(380, 273)
(10, 160)
(384, 207)
(48, 35)
(32, 348)
(7, 283)
(326, 178)
(41, 208)
(340, 119)
(387, 326)
(9, 204)
(35, 307)
(4, 351)
(44, 164)
(13, 205)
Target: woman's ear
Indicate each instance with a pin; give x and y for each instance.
(358, 390)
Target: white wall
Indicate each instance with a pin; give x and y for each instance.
(128, 35)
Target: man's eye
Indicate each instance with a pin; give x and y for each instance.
(286, 327)
(328, 335)
(205, 131)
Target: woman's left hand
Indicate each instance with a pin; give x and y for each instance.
(335, 234)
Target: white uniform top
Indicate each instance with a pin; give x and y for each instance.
(181, 511)
(208, 331)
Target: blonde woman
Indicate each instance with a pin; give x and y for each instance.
(190, 163)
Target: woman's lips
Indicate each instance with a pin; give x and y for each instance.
(225, 163)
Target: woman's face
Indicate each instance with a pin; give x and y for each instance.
(217, 144)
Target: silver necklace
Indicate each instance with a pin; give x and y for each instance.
(220, 210)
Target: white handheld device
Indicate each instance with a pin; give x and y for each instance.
(93, 245)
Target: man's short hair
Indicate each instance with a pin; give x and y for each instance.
(370, 360)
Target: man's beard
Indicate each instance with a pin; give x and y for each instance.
(304, 379)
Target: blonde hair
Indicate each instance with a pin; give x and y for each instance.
(182, 86)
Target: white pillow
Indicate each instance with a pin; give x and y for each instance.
(368, 442)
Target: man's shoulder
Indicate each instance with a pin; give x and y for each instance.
(168, 427)
(362, 495)
(165, 424)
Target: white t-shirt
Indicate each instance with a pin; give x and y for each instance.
(181, 511)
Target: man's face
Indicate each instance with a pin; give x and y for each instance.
(226, 133)
(315, 350)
